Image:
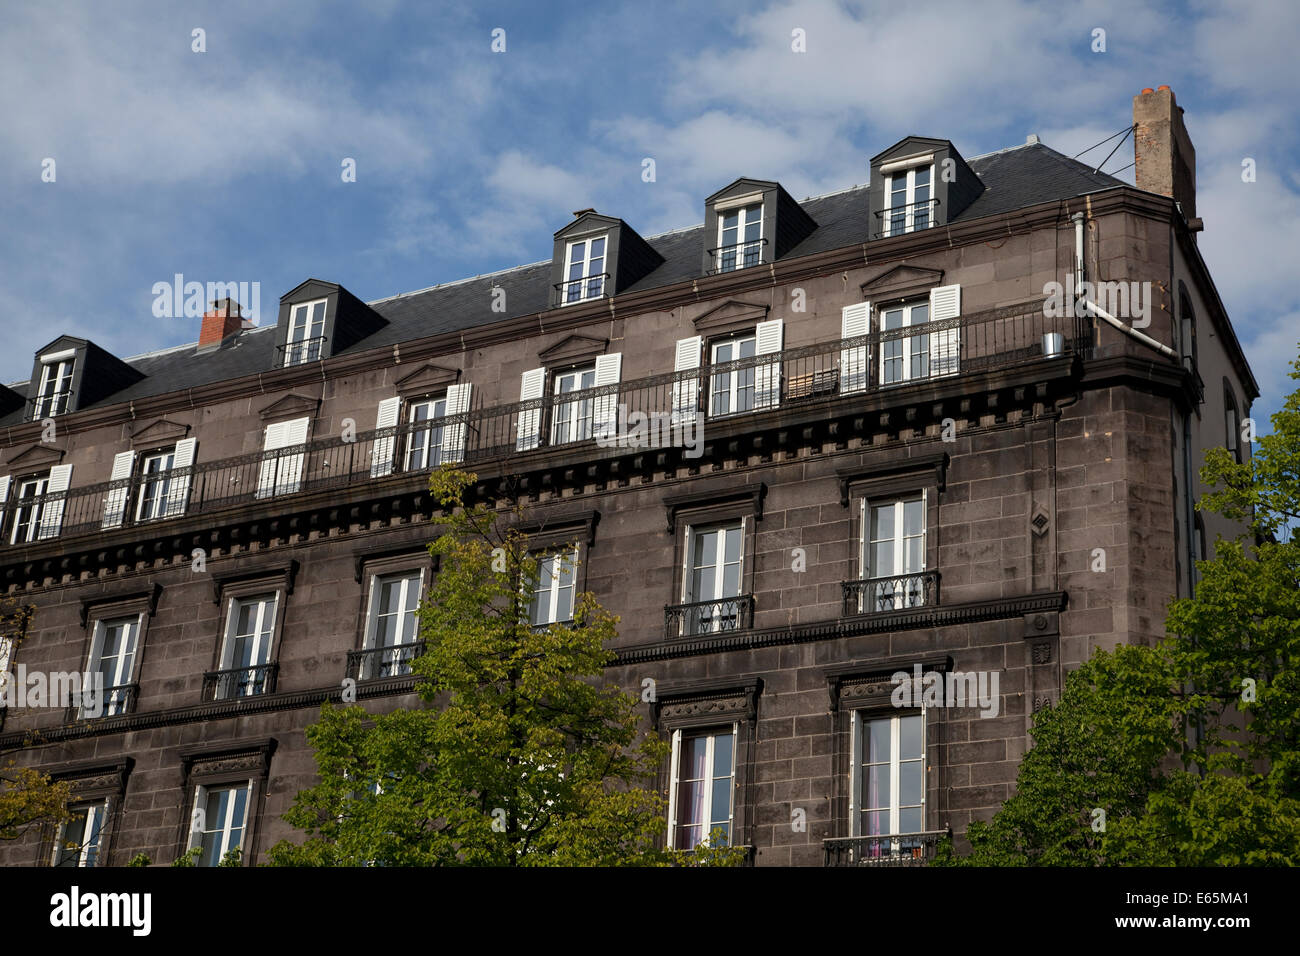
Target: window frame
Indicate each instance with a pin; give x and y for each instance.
(858, 718)
(866, 551)
(734, 387)
(740, 249)
(432, 433)
(571, 554)
(47, 398)
(907, 356)
(84, 849)
(584, 409)
(162, 483)
(909, 199)
(37, 510)
(259, 586)
(94, 657)
(202, 793)
(708, 783)
(584, 280)
(293, 344)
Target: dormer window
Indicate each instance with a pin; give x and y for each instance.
(909, 200)
(740, 237)
(306, 333)
(55, 388)
(584, 270)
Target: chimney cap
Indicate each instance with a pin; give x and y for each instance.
(1032, 139)
(1165, 87)
(578, 213)
(1146, 90)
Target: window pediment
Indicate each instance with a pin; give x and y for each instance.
(747, 500)
(35, 458)
(425, 379)
(731, 316)
(888, 477)
(575, 348)
(290, 406)
(902, 281)
(160, 431)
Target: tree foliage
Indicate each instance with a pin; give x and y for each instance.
(521, 756)
(1191, 748)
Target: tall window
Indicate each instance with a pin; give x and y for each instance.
(112, 654)
(908, 198)
(156, 484)
(55, 389)
(79, 837)
(28, 509)
(889, 782)
(584, 270)
(894, 554)
(246, 653)
(424, 446)
(740, 238)
(904, 357)
(716, 556)
(572, 419)
(219, 821)
(394, 624)
(733, 390)
(1232, 425)
(552, 600)
(704, 773)
(306, 333)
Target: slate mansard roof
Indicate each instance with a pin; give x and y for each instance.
(1013, 179)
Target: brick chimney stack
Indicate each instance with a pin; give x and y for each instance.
(223, 321)
(1166, 160)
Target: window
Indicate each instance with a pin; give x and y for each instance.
(1232, 425)
(55, 390)
(584, 270)
(552, 600)
(155, 485)
(894, 553)
(715, 559)
(424, 445)
(888, 793)
(733, 390)
(740, 238)
(572, 420)
(908, 200)
(219, 820)
(112, 654)
(306, 333)
(79, 837)
(700, 792)
(29, 509)
(903, 358)
(246, 652)
(393, 625)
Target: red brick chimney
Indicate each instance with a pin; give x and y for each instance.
(1166, 160)
(222, 322)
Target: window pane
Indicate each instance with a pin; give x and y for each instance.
(722, 755)
(909, 783)
(909, 820)
(878, 736)
(720, 811)
(912, 517)
(910, 741)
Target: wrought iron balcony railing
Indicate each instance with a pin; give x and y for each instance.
(50, 404)
(239, 682)
(738, 255)
(709, 617)
(894, 849)
(896, 593)
(375, 663)
(909, 218)
(673, 404)
(582, 289)
(303, 350)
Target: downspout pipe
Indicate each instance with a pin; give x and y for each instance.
(1130, 331)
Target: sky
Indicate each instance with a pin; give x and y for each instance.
(227, 164)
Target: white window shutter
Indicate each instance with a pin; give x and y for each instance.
(178, 494)
(855, 323)
(769, 339)
(52, 513)
(381, 454)
(4, 495)
(453, 435)
(674, 757)
(609, 368)
(532, 386)
(686, 391)
(115, 500)
(945, 344)
(272, 440)
(854, 733)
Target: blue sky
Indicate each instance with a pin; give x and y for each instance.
(225, 165)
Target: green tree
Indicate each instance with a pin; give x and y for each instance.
(28, 799)
(1191, 748)
(522, 757)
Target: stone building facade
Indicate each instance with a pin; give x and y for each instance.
(873, 445)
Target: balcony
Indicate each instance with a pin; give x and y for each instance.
(896, 593)
(902, 219)
(49, 404)
(376, 663)
(813, 380)
(303, 350)
(581, 289)
(239, 682)
(115, 701)
(738, 255)
(894, 849)
(709, 617)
